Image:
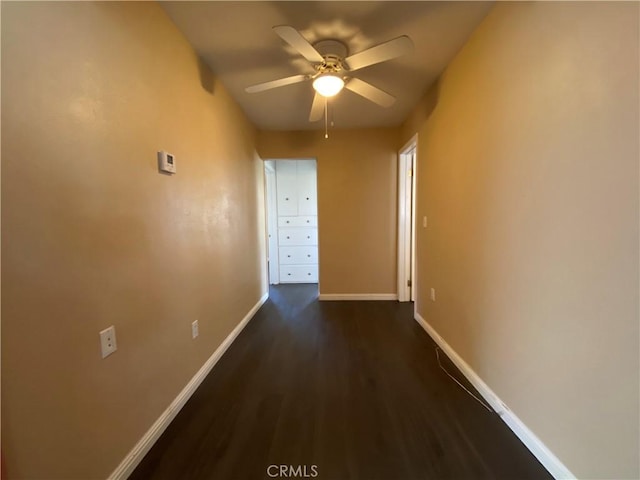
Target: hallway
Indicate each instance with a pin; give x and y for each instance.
(353, 388)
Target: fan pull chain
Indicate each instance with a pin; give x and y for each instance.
(331, 120)
(326, 129)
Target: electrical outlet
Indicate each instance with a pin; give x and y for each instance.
(194, 329)
(108, 341)
(424, 222)
(433, 294)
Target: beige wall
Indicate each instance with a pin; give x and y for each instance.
(93, 235)
(528, 173)
(357, 188)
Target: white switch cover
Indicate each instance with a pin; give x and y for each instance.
(194, 329)
(424, 222)
(433, 294)
(166, 162)
(108, 341)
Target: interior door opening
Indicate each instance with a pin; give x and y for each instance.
(292, 220)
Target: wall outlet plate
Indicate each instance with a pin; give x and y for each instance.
(108, 341)
(433, 294)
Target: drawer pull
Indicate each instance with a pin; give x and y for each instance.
(288, 237)
(309, 256)
(289, 274)
(307, 221)
(308, 274)
(307, 198)
(288, 256)
(287, 221)
(286, 198)
(308, 236)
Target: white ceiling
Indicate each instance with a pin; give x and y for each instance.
(235, 39)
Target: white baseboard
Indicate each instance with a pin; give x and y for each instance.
(358, 296)
(135, 456)
(530, 440)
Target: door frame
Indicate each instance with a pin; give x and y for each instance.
(273, 260)
(407, 168)
(271, 212)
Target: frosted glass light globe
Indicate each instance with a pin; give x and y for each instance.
(328, 85)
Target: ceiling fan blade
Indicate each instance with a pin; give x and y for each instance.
(370, 92)
(276, 83)
(297, 41)
(380, 53)
(317, 108)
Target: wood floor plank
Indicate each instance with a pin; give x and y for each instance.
(353, 388)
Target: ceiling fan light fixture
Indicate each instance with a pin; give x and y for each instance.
(328, 84)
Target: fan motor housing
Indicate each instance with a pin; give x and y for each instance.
(333, 52)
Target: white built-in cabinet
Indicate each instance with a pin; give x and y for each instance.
(297, 221)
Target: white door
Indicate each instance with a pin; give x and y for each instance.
(406, 222)
(412, 226)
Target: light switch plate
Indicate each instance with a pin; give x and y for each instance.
(166, 162)
(433, 294)
(195, 331)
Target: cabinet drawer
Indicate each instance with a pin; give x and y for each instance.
(297, 236)
(298, 255)
(298, 274)
(302, 221)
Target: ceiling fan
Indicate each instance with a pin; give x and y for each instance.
(333, 68)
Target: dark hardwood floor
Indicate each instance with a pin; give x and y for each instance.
(353, 388)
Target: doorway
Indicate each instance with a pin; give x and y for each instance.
(407, 167)
(292, 220)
